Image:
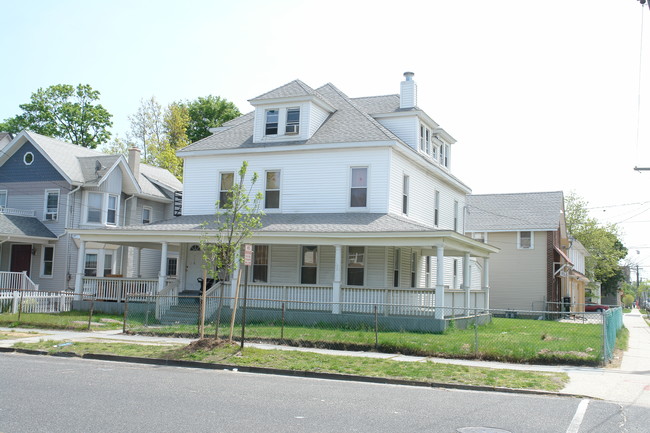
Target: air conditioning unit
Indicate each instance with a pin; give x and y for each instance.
(50, 217)
(292, 129)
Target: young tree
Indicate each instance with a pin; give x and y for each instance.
(237, 216)
(65, 112)
(601, 241)
(208, 112)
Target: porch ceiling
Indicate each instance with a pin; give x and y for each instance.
(362, 229)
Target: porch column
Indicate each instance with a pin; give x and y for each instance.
(78, 282)
(136, 262)
(486, 281)
(466, 283)
(336, 284)
(162, 276)
(440, 283)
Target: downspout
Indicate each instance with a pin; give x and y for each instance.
(66, 227)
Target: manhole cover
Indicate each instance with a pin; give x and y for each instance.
(481, 430)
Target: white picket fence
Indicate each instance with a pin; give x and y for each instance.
(12, 301)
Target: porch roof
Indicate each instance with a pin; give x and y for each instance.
(302, 228)
(24, 228)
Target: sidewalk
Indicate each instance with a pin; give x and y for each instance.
(628, 384)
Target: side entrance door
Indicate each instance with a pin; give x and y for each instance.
(21, 258)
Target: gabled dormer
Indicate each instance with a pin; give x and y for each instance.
(292, 112)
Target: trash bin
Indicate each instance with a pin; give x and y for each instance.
(566, 304)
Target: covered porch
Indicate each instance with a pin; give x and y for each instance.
(318, 263)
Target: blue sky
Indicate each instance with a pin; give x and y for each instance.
(541, 96)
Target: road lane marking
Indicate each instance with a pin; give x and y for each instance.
(576, 422)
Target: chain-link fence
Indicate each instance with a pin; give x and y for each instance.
(506, 335)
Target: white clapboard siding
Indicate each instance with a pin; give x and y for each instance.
(311, 181)
(406, 128)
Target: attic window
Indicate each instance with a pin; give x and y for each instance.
(28, 158)
(293, 121)
(272, 117)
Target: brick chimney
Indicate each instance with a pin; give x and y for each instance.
(134, 162)
(408, 95)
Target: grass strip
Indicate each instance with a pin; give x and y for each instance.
(428, 371)
(73, 320)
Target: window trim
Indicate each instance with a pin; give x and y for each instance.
(87, 207)
(116, 210)
(55, 216)
(414, 271)
(6, 195)
(43, 261)
(168, 267)
(397, 263)
(278, 189)
(456, 215)
(532, 240)
(267, 264)
(436, 208)
(29, 155)
(366, 187)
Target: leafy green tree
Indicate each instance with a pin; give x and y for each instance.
(601, 241)
(65, 112)
(235, 221)
(208, 112)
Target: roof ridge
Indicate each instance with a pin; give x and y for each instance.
(519, 193)
(376, 96)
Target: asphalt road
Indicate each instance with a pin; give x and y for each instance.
(48, 394)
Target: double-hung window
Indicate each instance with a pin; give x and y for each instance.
(405, 195)
(414, 269)
(271, 124)
(309, 265)
(51, 204)
(111, 209)
(525, 240)
(146, 215)
(456, 216)
(436, 209)
(90, 265)
(261, 264)
(3, 199)
(47, 261)
(94, 207)
(422, 128)
(396, 266)
(356, 265)
(272, 190)
(359, 187)
(293, 121)
(172, 266)
(226, 182)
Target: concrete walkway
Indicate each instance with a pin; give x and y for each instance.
(628, 384)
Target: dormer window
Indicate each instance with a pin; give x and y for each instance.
(293, 121)
(272, 117)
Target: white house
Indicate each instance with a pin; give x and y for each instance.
(359, 198)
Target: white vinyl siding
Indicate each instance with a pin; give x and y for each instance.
(422, 195)
(406, 128)
(307, 186)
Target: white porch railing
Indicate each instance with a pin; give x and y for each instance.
(35, 302)
(17, 212)
(312, 296)
(16, 281)
(389, 301)
(168, 297)
(116, 289)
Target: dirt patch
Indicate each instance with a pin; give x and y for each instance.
(561, 354)
(83, 322)
(207, 344)
(14, 335)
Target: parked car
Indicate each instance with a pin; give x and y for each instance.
(595, 307)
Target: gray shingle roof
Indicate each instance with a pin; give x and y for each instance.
(22, 226)
(524, 211)
(351, 122)
(292, 89)
(299, 223)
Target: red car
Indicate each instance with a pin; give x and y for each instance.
(595, 307)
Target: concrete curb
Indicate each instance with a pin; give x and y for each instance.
(282, 372)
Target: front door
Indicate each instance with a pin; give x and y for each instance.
(193, 268)
(21, 258)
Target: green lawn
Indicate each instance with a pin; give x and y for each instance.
(510, 340)
(74, 320)
(304, 361)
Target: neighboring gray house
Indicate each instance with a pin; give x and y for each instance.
(48, 186)
(533, 266)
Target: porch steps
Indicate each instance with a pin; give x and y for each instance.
(186, 314)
